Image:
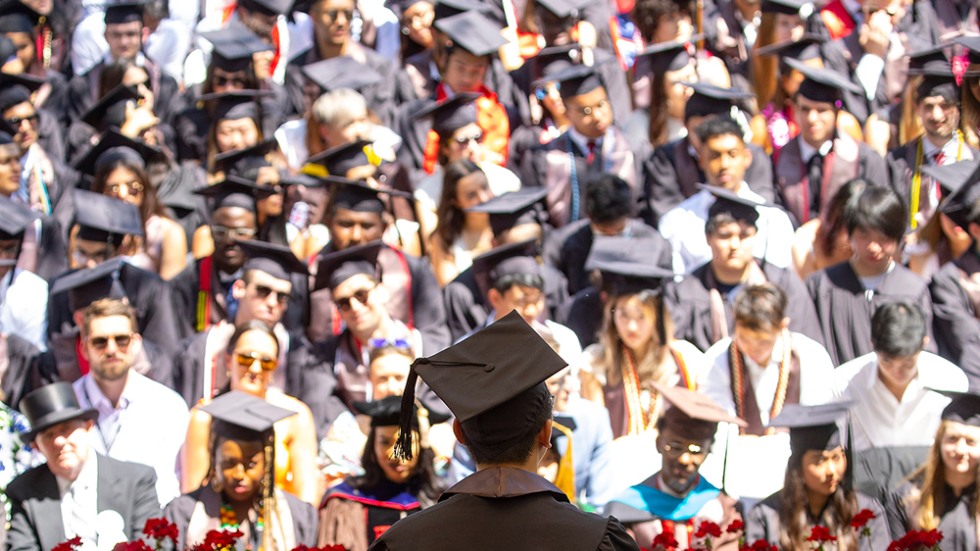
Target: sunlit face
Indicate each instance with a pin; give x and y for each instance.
(26, 51)
(66, 447)
(271, 204)
(349, 228)
(137, 76)
(634, 321)
(528, 301)
(23, 117)
(551, 100)
(682, 457)
(388, 374)
(111, 346)
(89, 254)
(590, 113)
(472, 190)
(357, 126)
(125, 39)
(464, 71)
(245, 362)
(676, 93)
(960, 448)
(823, 470)
(122, 183)
(239, 467)
(940, 117)
(898, 371)
(732, 245)
(264, 297)
(232, 134)
(673, 26)
(417, 20)
(361, 302)
(788, 27)
(756, 344)
(725, 159)
(332, 20)
(9, 169)
(466, 143)
(872, 249)
(395, 470)
(42, 7)
(227, 225)
(817, 120)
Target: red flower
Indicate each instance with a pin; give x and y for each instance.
(820, 534)
(759, 545)
(138, 545)
(708, 528)
(735, 526)
(70, 545)
(665, 541)
(160, 529)
(216, 540)
(862, 518)
(914, 540)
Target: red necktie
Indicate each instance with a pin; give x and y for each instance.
(938, 159)
(591, 146)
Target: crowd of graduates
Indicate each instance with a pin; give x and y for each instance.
(230, 232)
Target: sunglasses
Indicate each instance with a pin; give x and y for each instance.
(15, 121)
(472, 138)
(263, 293)
(361, 296)
(246, 359)
(100, 343)
(221, 80)
(400, 344)
(332, 14)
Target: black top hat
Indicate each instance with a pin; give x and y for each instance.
(49, 405)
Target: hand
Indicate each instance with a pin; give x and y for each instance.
(138, 120)
(875, 34)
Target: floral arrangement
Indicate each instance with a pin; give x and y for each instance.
(918, 540)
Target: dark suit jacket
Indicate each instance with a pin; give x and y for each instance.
(36, 523)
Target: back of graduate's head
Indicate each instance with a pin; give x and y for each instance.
(483, 441)
(761, 308)
(898, 330)
(608, 200)
(876, 208)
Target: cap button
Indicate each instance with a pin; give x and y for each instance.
(489, 367)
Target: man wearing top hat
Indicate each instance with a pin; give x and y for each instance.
(78, 492)
(503, 415)
(811, 167)
(677, 499)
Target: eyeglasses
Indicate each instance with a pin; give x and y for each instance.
(15, 121)
(132, 188)
(100, 343)
(332, 14)
(476, 139)
(674, 450)
(247, 359)
(83, 257)
(237, 82)
(263, 292)
(591, 110)
(223, 232)
(401, 344)
(361, 296)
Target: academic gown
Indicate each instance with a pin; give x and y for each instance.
(955, 299)
(83, 93)
(672, 174)
(310, 378)
(21, 375)
(901, 162)
(186, 288)
(957, 522)
(763, 522)
(844, 308)
(582, 313)
(355, 517)
(690, 304)
(568, 248)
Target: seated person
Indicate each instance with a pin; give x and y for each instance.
(823, 241)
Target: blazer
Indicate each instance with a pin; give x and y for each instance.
(36, 523)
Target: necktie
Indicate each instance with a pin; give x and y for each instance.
(814, 175)
(937, 160)
(591, 145)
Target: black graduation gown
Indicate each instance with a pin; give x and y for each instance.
(901, 164)
(957, 522)
(310, 378)
(83, 93)
(582, 313)
(21, 376)
(186, 286)
(844, 308)
(690, 305)
(955, 321)
(763, 522)
(672, 174)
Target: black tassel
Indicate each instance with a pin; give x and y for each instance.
(405, 445)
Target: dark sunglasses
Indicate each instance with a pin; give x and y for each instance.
(247, 359)
(100, 343)
(361, 296)
(220, 80)
(263, 293)
(15, 122)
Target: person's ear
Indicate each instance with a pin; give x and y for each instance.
(458, 432)
(238, 289)
(78, 317)
(784, 325)
(136, 344)
(974, 230)
(544, 435)
(494, 298)
(925, 342)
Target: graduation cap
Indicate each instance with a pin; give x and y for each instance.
(268, 7)
(386, 412)
(937, 74)
(234, 46)
(576, 80)
(804, 49)
(235, 161)
(357, 196)
(445, 9)
(241, 416)
(339, 266)
(669, 56)
(14, 219)
(812, 427)
(730, 203)
(972, 45)
(803, 8)
(113, 146)
(473, 32)
(240, 104)
(17, 89)
(510, 259)
(513, 209)
(960, 180)
(964, 407)
(822, 85)
(125, 11)
(17, 17)
(692, 414)
(88, 285)
(552, 60)
(276, 260)
(341, 72)
(338, 160)
(110, 110)
(708, 100)
(493, 382)
(562, 9)
(234, 192)
(449, 115)
(103, 218)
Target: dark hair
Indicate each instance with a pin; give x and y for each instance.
(608, 198)
(718, 125)
(727, 214)
(113, 73)
(252, 325)
(898, 329)
(523, 444)
(648, 13)
(657, 129)
(877, 208)
(833, 216)
(506, 281)
(150, 204)
(423, 484)
(794, 519)
(760, 307)
(450, 217)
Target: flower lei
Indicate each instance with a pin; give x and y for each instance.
(738, 379)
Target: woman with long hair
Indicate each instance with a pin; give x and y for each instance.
(251, 360)
(240, 492)
(817, 491)
(942, 493)
(358, 510)
(460, 236)
(823, 241)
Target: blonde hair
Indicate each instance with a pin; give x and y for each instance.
(931, 492)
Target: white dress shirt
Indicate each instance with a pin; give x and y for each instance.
(24, 308)
(79, 502)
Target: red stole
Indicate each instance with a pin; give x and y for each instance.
(838, 21)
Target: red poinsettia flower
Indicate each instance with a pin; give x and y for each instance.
(914, 540)
(160, 529)
(70, 545)
(862, 518)
(665, 541)
(138, 545)
(759, 545)
(820, 534)
(735, 526)
(708, 528)
(218, 540)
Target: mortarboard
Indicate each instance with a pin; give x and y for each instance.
(576, 80)
(822, 85)
(937, 74)
(103, 218)
(812, 427)
(341, 72)
(964, 407)
(552, 60)
(709, 99)
(806, 48)
(972, 46)
(125, 11)
(7, 48)
(234, 191)
(338, 160)
(339, 266)
(738, 207)
(234, 161)
(445, 9)
(961, 180)
(110, 110)
(269, 7)
(240, 104)
(693, 414)
(16, 89)
(14, 219)
(386, 412)
(668, 56)
(492, 381)
(241, 416)
(449, 115)
(473, 32)
(88, 285)
(113, 145)
(17, 17)
(510, 259)
(561, 9)
(803, 8)
(513, 209)
(357, 196)
(276, 260)
(234, 46)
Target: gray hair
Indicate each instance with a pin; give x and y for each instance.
(339, 107)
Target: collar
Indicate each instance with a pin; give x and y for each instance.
(774, 359)
(950, 148)
(807, 151)
(87, 478)
(582, 142)
(500, 482)
(97, 399)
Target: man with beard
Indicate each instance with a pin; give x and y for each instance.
(139, 420)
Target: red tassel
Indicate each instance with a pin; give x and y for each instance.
(960, 64)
